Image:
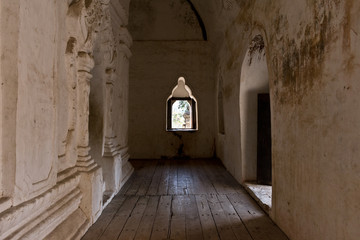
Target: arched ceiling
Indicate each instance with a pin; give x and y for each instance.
(175, 20)
(169, 20)
(216, 15)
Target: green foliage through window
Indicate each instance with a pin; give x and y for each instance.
(181, 114)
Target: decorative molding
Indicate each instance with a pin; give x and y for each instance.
(124, 152)
(125, 50)
(5, 203)
(85, 65)
(70, 172)
(45, 223)
(111, 148)
(76, 192)
(125, 37)
(74, 226)
(16, 218)
(118, 13)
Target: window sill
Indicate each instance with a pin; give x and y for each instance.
(181, 130)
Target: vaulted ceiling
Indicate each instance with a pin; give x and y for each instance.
(180, 19)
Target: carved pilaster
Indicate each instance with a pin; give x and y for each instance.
(111, 158)
(85, 64)
(109, 88)
(91, 174)
(124, 41)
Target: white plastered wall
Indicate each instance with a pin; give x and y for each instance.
(253, 80)
(49, 181)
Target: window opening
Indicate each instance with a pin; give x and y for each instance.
(181, 109)
(181, 114)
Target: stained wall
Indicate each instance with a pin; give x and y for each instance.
(49, 181)
(313, 58)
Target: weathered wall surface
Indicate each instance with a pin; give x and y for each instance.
(35, 112)
(9, 75)
(50, 53)
(312, 51)
(163, 20)
(154, 70)
(108, 118)
(168, 44)
(48, 179)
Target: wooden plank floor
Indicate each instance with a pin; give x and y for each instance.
(183, 199)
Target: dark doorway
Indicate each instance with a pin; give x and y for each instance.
(264, 140)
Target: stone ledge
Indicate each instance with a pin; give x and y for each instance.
(261, 193)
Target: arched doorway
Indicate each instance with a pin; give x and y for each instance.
(255, 122)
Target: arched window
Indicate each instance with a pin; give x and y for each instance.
(181, 110)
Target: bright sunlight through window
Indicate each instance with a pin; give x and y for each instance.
(181, 109)
(181, 114)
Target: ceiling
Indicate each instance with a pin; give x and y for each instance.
(160, 19)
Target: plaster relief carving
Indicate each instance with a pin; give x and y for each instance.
(67, 100)
(109, 128)
(108, 61)
(36, 111)
(56, 176)
(13, 222)
(85, 64)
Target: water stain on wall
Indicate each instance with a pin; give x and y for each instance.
(299, 64)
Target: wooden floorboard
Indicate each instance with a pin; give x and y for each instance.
(206, 218)
(155, 181)
(193, 225)
(237, 225)
(162, 219)
(178, 218)
(107, 215)
(133, 221)
(172, 178)
(147, 222)
(183, 199)
(222, 222)
(116, 225)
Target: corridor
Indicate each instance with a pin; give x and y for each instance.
(183, 199)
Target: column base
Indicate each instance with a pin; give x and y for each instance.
(91, 185)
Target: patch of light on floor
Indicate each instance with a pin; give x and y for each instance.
(261, 193)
